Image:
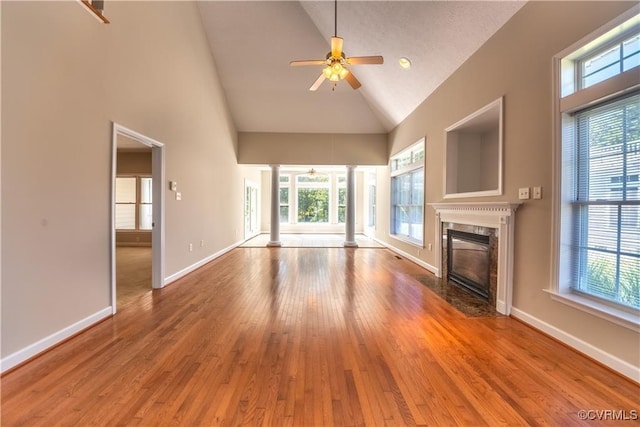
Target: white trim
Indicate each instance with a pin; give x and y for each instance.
(44, 344)
(449, 169)
(405, 239)
(499, 215)
(611, 88)
(485, 193)
(195, 266)
(604, 311)
(624, 368)
(410, 257)
(158, 233)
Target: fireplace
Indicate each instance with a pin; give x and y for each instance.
(469, 261)
(495, 219)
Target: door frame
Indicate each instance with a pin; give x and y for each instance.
(157, 233)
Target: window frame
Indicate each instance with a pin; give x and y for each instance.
(138, 203)
(416, 153)
(282, 185)
(314, 185)
(568, 97)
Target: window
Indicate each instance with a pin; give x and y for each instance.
(407, 194)
(607, 236)
(342, 198)
(133, 203)
(610, 61)
(313, 198)
(371, 184)
(598, 252)
(285, 189)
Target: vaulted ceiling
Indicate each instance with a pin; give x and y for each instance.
(254, 41)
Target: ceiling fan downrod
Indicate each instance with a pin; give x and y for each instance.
(335, 18)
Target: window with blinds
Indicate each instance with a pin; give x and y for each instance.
(133, 203)
(597, 219)
(407, 194)
(606, 205)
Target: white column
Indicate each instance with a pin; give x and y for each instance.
(275, 207)
(350, 226)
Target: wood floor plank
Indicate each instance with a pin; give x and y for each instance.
(306, 336)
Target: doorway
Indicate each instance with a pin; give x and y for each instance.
(137, 219)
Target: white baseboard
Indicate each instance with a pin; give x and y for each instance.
(627, 369)
(36, 348)
(410, 257)
(195, 266)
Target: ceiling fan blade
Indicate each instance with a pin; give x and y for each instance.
(308, 62)
(317, 83)
(336, 46)
(351, 79)
(360, 60)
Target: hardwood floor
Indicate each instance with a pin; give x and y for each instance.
(302, 336)
(133, 274)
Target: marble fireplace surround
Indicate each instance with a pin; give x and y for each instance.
(498, 215)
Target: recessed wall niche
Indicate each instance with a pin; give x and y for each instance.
(473, 154)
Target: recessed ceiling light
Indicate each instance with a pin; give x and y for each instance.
(405, 63)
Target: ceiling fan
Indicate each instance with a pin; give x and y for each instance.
(336, 61)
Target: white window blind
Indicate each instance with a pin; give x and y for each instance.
(606, 235)
(126, 203)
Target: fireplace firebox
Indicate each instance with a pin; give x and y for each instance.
(468, 261)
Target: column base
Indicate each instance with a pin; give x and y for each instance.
(352, 244)
(274, 244)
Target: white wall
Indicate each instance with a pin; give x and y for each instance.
(65, 78)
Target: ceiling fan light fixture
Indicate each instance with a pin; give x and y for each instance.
(336, 61)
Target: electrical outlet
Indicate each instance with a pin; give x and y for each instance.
(190, 247)
(523, 193)
(537, 192)
(178, 196)
(202, 243)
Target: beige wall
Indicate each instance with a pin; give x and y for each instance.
(312, 149)
(134, 163)
(65, 77)
(515, 63)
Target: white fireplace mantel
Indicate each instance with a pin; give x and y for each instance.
(498, 215)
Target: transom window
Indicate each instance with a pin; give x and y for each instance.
(610, 61)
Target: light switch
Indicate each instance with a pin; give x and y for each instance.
(537, 192)
(523, 193)
(178, 196)
(173, 186)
